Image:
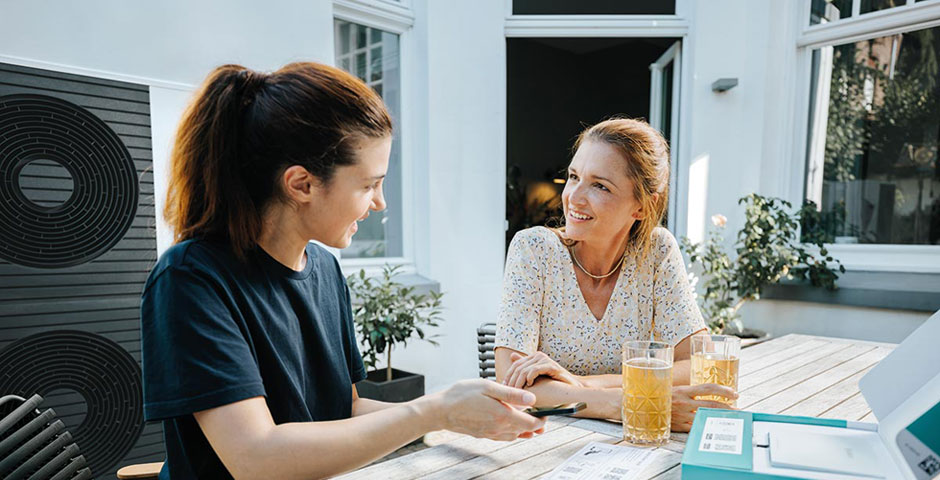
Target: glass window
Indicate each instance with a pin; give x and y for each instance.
(825, 11)
(593, 7)
(372, 55)
(873, 132)
(875, 5)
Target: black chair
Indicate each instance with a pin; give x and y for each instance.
(36, 445)
(486, 338)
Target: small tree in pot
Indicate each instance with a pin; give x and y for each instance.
(768, 248)
(387, 313)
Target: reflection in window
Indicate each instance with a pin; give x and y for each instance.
(874, 123)
(875, 5)
(825, 11)
(372, 55)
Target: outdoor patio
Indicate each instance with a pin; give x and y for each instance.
(804, 193)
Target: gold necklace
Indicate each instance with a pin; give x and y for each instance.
(596, 277)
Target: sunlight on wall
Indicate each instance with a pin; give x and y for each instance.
(698, 195)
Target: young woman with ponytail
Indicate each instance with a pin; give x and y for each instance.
(249, 352)
(573, 296)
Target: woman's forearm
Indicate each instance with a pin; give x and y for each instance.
(602, 381)
(601, 402)
(314, 449)
(339, 446)
(364, 406)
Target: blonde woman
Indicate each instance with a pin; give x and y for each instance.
(573, 296)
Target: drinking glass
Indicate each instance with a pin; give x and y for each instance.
(647, 392)
(715, 359)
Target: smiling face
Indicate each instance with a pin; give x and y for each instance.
(335, 208)
(598, 198)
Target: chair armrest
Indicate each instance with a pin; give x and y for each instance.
(140, 471)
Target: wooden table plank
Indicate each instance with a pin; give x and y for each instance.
(771, 346)
(784, 366)
(855, 408)
(800, 390)
(436, 458)
(751, 394)
(821, 402)
(509, 455)
(767, 361)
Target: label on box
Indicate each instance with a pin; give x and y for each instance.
(722, 435)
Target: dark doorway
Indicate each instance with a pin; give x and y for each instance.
(555, 88)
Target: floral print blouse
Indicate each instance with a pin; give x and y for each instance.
(543, 309)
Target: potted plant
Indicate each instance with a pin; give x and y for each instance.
(387, 313)
(768, 248)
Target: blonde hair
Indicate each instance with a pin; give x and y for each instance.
(647, 164)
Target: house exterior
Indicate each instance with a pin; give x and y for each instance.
(442, 67)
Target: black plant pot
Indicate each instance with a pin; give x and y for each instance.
(403, 387)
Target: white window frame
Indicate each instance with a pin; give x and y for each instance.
(398, 18)
(630, 26)
(903, 18)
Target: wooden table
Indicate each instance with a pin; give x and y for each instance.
(793, 375)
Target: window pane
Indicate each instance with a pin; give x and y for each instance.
(875, 5)
(593, 7)
(380, 235)
(873, 128)
(825, 11)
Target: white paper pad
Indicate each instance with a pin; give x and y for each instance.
(601, 460)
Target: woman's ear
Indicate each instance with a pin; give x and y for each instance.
(299, 185)
(640, 212)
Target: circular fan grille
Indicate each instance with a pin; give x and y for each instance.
(99, 370)
(104, 195)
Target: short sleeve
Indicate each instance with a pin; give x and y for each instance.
(675, 313)
(520, 311)
(357, 370)
(195, 356)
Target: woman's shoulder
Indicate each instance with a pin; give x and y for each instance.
(662, 242)
(541, 240)
(199, 256)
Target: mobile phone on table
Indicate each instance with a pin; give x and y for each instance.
(567, 409)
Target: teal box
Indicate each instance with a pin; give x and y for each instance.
(709, 464)
(903, 391)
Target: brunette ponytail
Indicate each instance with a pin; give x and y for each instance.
(244, 128)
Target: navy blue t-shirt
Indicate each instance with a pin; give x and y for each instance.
(216, 330)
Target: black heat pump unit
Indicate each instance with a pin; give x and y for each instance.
(77, 240)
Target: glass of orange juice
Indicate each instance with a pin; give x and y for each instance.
(715, 359)
(647, 392)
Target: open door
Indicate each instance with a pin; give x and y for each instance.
(664, 114)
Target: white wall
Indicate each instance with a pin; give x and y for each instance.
(466, 154)
(727, 39)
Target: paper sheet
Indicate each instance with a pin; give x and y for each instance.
(601, 460)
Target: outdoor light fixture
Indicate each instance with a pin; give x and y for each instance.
(724, 84)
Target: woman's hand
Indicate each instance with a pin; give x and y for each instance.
(684, 404)
(483, 408)
(524, 370)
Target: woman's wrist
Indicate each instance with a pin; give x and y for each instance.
(428, 411)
